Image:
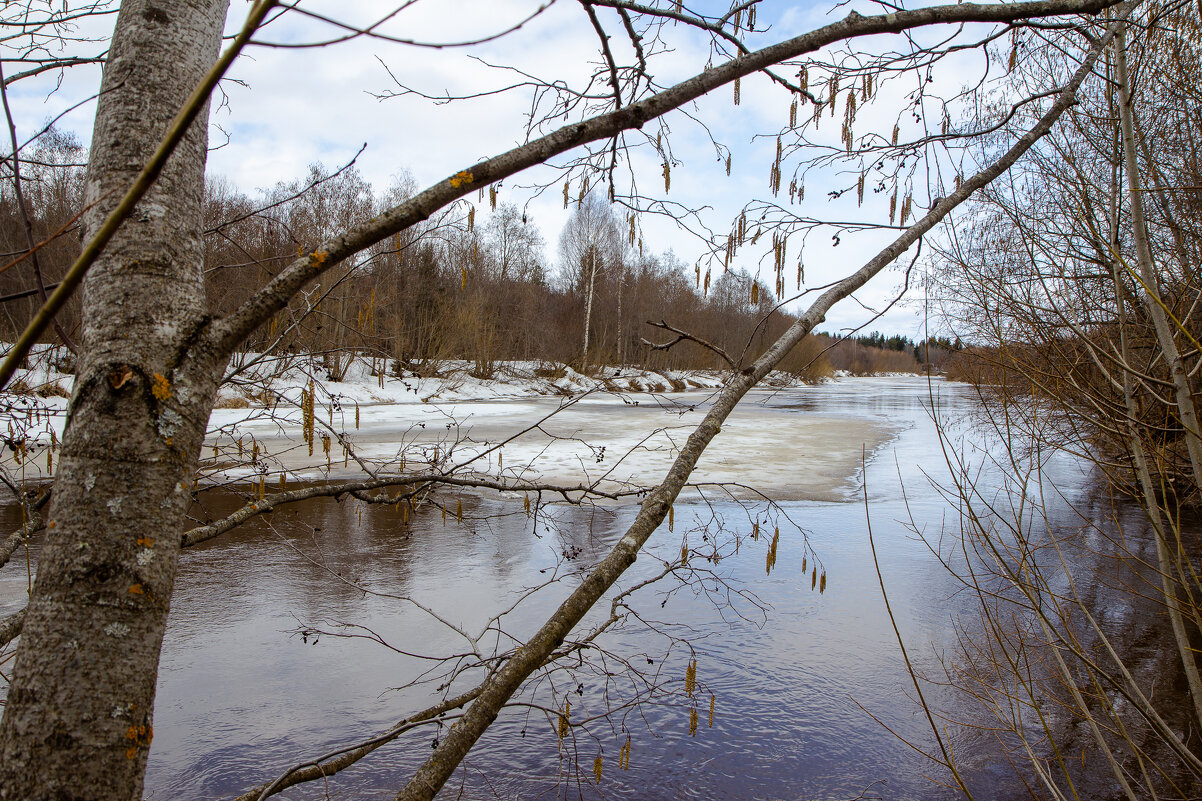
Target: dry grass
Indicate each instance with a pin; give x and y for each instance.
(231, 402)
(550, 371)
(52, 390)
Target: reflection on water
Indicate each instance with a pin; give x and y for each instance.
(248, 687)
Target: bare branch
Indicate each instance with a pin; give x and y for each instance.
(10, 627)
(335, 761)
(429, 779)
(231, 330)
(683, 336)
(33, 524)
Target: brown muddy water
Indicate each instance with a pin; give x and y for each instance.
(324, 623)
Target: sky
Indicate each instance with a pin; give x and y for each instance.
(286, 107)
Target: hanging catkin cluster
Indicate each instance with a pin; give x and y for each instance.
(774, 174)
(563, 719)
(738, 234)
(780, 246)
(306, 417)
(849, 118)
(779, 251)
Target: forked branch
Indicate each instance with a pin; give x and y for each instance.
(685, 336)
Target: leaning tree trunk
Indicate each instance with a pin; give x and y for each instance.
(77, 724)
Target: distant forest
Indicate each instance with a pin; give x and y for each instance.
(473, 284)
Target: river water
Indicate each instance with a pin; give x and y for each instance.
(260, 670)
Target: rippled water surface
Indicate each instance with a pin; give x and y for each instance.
(247, 688)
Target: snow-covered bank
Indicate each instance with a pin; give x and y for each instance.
(367, 381)
(617, 428)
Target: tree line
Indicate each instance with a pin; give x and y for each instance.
(474, 285)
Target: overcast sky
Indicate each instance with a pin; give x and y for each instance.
(287, 107)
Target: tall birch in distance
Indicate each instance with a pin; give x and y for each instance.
(590, 245)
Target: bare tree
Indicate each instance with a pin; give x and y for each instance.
(590, 245)
(1078, 283)
(78, 716)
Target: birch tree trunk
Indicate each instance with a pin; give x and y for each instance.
(77, 723)
(588, 305)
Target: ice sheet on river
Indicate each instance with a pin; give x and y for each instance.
(771, 444)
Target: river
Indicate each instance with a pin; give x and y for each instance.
(254, 676)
